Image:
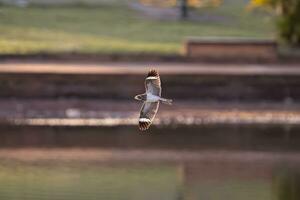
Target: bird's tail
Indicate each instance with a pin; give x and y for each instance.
(166, 101)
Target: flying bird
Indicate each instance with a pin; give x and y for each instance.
(151, 99)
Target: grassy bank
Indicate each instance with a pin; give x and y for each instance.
(118, 29)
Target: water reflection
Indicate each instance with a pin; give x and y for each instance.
(189, 180)
(61, 181)
(174, 163)
(286, 184)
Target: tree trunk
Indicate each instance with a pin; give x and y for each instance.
(183, 6)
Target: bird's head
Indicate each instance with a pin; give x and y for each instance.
(138, 97)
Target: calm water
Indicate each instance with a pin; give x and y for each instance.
(190, 163)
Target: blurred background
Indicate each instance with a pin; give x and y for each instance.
(69, 70)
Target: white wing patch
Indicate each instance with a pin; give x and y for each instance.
(144, 120)
(151, 78)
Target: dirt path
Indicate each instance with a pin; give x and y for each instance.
(142, 68)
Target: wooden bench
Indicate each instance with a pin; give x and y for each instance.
(232, 49)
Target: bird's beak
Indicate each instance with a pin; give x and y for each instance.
(136, 97)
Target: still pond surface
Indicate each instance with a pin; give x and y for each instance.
(102, 163)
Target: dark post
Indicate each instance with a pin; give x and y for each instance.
(183, 6)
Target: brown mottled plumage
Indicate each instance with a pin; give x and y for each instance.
(153, 72)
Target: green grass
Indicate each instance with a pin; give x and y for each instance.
(117, 29)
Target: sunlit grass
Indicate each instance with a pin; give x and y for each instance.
(115, 29)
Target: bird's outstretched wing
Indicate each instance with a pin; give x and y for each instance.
(147, 114)
(152, 83)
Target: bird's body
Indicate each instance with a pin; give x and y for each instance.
(150, 99)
